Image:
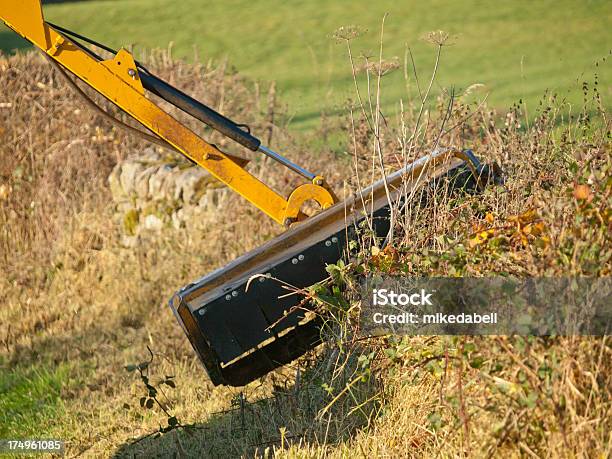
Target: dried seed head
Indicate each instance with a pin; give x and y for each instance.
(347, 33)
(439, 38)
(381, 68)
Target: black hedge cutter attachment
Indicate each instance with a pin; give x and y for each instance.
(239, 333)
(241, 320)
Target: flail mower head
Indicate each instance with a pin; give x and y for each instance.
(241, 320)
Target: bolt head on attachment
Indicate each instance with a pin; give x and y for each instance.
(132, 72)
(318, 181)
(287, 223)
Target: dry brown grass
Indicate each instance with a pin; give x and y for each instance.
(71, 294)
(73, 297)
(491, 396)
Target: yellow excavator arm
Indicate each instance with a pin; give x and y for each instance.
(125, 82)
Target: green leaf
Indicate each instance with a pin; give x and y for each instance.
(435, 420)
(531, 400)
(497, 367)
(477, 362)
(391, 353)
(544, 371)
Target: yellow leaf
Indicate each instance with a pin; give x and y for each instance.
(543, 242)
(490, 218)
(538, 228)
(528, 216)
(476, 240)
(583, 193)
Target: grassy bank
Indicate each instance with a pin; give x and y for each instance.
(517, 50)
(80, 310)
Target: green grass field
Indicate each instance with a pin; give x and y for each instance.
(30, 399)
(518, 49)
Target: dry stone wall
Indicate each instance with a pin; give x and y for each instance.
(153, 189)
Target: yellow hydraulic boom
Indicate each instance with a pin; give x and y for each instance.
(241, 329)
(121, 79)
